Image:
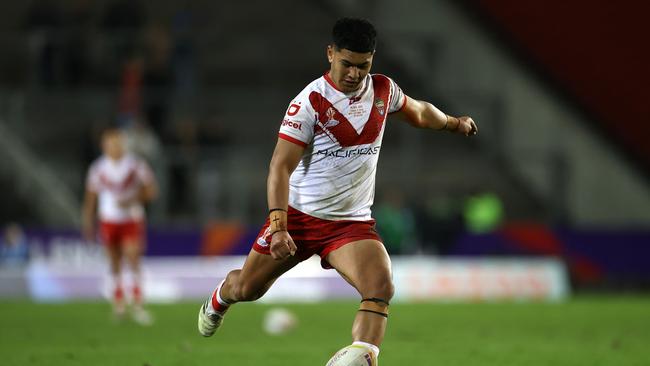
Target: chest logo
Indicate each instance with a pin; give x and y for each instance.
(338, 128)
(380, 106)
(331, 120)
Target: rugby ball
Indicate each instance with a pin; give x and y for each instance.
(353, 355)
(278, 321)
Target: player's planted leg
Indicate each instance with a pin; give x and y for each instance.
(373, 282)
(370, 321)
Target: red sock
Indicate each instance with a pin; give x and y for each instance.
(216, 305)
(118, 295)
(137, 295)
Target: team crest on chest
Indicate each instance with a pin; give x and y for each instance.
(380, 106)
(331, 121)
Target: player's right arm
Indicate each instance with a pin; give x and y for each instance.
(89, 207)
(88, 211)
(423, 114)
(296, 132)
(286, 157)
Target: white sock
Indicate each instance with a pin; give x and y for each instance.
(372, 347)
(219, 299)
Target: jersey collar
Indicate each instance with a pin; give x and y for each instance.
(353, 94)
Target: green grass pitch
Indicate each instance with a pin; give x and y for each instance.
(585, 331)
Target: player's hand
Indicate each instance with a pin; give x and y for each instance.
(282, 245)
(466, 126)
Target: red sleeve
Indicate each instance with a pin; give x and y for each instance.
(291, 139)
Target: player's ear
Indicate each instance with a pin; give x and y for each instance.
(330, 53)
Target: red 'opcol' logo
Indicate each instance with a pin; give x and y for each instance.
(292, 124)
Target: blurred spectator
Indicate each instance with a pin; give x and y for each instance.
(124, 16)
(184, 57)
(483, 212)
(395, 223)
(157, 77)
(123, 19)
(438, 222)
(75, 46)
(130, 91)
(14, 250)
(183, 165)
(43, 22)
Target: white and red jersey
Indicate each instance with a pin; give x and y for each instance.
(116, 181)
(342, 133)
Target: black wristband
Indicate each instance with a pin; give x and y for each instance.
(457, 124)
(277, 209)
(445, 126)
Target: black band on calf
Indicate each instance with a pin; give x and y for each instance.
(277, 209)
(376, 300)
(375, 312)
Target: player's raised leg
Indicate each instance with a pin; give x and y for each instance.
(365, 264)
(246, 284)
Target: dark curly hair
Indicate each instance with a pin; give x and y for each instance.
(354, 34)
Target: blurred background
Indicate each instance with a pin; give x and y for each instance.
(551, 197)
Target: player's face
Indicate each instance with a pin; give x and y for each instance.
(348, 69)
(113, 145)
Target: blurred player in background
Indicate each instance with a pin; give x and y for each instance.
(120, 184)
(321, 184)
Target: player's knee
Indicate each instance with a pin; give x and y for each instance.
(387, 289)
(382, 288)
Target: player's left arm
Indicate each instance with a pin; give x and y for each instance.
(88, 215)
(423, 114)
